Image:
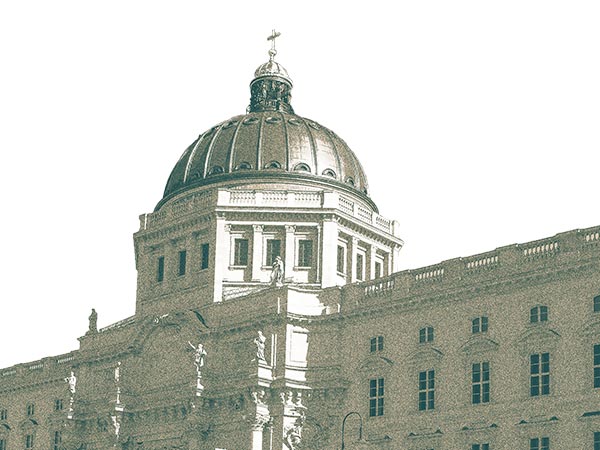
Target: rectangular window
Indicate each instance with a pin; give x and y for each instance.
(480, 383)
(240, 256)
(205, 250)
(160, 271)
(376, 344)
(378, 271)
(2, 444)
(4, 414)
(376, 397)
(425, 335)
(597, 303)
(597, 366)
(480, 447)
(539, 371)
(305, 253)
(30, 409)
(57, 440)
(29, 441)
(360, 267)
(182, 263)
(58, 404)
(341, 259)
(273, 250)
(479, 325)
(426, 390)
(597, 440)
(542, 443)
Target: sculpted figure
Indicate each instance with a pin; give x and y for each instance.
(116, 425)
(93, 319)
(199, 354)
(72, 380)
(277, 271)
(118, 373)
(260, 346)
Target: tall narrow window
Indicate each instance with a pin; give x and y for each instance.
(426, 390)
(597, 440)
(597, 366)
(538, 314)
(479, 325)
(160, 271)
(205, 250)
(480, 447)
(273, 250)
(376, 391)
(360, 267)
(376, 344)
(57, 440)
(2, 444)
(480, 383)
(305, 253)
(597, 303)
(378, 269)
(240, 257)
(4, 414)
(29, 441)
(30, 409)
(58, 404)
(341, 258)
(542, 443)
(182, 263)
(539, 370)
(425, 335)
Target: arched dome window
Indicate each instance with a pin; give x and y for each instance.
(216, 170)
(244, 166)
(329, 173)
(350, 181)
(301, 167)
(273, 165)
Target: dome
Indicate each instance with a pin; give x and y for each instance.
(267, 144)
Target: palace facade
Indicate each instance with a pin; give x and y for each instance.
(270, 314)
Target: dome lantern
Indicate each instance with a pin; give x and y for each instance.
(270, 90)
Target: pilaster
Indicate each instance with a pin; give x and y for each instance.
(290, 230)
(257, 251)
(329, 239)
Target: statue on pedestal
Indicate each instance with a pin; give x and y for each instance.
(277, 272)
(93, 322)
(260, 346)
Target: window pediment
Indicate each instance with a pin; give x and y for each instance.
(375, 363)
(591, 328)
(28, 424)
(424, 356)
(538, 336)
(479, 344)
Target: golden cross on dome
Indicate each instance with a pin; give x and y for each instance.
(274, 35)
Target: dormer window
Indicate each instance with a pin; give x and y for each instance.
(329, 173)
(273, 165)
(302, 168)
(244, 166)
(216, 170)
(538, 314)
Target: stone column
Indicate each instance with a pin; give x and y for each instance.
(257, 252)
(221, 246)
(371, 263)
(352, 248)
(289, 250)
(329, 243)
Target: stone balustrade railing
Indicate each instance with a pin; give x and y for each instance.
(269, 198)
(54, 364)
(500, 262)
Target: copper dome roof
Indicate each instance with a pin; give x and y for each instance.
(266, 144)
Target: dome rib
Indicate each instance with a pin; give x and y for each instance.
(233, 142)
(191, 158)
(210, 147)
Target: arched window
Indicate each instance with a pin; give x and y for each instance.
(244, 166)
(302, 168)
(216, 170)
(273, 165)
(329, 173)
(597, 303)
(350, 181)
(425, 335)
(538, 314)
(479, 325)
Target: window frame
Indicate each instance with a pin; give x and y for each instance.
(57, 440)
(302, 260)
(480, 381)
(376, 344)
(270, 252)
(426, 397)
(160, 269)
(182, 263)
(30, 409)
(3, 414)
(360, 268)
(539, 377)
(426, 334)
(539, 443)
(376, 397)
(341, 258)
(596, 365)
(240, 252)
(58, 404)
(29, 441)
(596, 304)
(204, 256)
(539, 314)
(479, 325)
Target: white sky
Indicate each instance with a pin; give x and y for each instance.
(476, 123)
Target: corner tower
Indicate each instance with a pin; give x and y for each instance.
(255, 187)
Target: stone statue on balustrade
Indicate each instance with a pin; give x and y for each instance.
(277, 272)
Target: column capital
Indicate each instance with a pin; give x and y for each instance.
(290, 228)
(257, 228)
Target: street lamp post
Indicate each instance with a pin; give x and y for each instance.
(344, 425)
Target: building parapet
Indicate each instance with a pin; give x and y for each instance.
(268, 198)
(46, 367)
(501, 261)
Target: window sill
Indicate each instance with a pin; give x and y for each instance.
(301, 268)
(234, 267)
